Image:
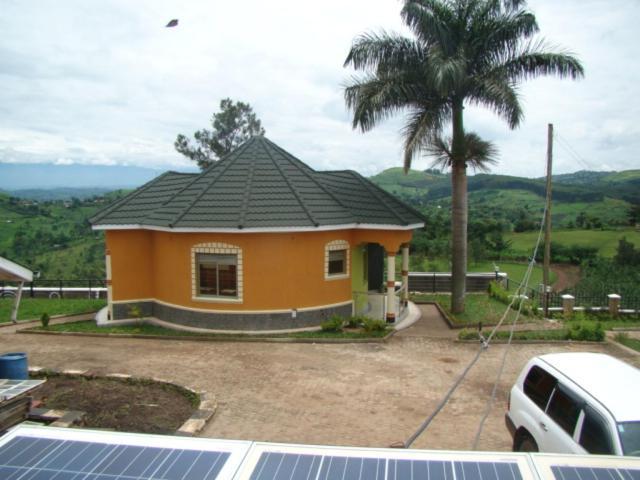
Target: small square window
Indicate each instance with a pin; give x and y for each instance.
(337, 262)
(217, 275)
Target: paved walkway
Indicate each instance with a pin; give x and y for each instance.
(430, 325)
(353, 394)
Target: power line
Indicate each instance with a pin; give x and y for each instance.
(564, 143)
(494, 391)
(483, 347)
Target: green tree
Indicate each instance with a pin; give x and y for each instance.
(626, 253)
(235, 123)
(462, 52)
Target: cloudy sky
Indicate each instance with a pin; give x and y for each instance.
(103, 82)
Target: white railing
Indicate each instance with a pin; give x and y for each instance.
(374, 304)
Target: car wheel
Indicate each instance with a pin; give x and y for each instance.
(527, 444)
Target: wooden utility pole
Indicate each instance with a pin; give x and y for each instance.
(547, 225)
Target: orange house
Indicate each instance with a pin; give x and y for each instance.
(258, 241)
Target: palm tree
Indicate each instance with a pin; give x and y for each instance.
(463, 52)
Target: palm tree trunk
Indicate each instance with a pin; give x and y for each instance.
(458, 213)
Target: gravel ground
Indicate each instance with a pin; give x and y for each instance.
(351, 394)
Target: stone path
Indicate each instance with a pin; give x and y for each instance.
(430, 325)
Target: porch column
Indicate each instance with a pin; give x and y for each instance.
(405, 273)
(107, 258)
(16, 304)
(391, 284)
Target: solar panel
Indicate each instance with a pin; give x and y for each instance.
(594, 473)
(586, 467)
(36, 453)
(12, 388)
(298, 462)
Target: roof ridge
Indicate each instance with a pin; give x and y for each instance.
(129, 196)
(376, 192)
(293, 189)
(182, 173)
(206, 189)
(387, 194)
(245, 199)
(311, 177)
(226, 156)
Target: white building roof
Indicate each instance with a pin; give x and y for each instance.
(13, 272)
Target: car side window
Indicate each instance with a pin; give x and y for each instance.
(564, 408)
(595, 436)
(538, 386)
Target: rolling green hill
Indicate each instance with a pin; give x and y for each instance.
(414, 182)
(580, 200)
(53, 237)
(605, 241)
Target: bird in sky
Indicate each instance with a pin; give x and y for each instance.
(172, 23)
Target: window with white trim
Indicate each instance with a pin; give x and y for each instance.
(216, 272)
(217, 275)
(336, 260)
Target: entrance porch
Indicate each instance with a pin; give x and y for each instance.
(373, 295)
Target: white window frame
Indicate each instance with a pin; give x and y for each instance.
(333, 246)
(219, 249)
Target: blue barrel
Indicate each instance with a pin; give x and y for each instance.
(14, 366)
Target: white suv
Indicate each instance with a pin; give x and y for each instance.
(576, 403)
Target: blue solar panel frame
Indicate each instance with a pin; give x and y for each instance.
(551, 466)
(36, 452)
(308, 462)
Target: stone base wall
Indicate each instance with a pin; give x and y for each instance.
(230, 321)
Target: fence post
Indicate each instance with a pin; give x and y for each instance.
(31, 289)
(434, 282)
(60, 288)
(568, 302)
(614, 304)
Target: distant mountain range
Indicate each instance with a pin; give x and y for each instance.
(29, 176)
(583, 186)
(59, 182)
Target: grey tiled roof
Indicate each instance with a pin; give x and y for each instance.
(258, 185)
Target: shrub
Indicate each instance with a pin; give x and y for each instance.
(370, 325)
(586, 331)
(500, 294)
(136, 312)
(334, 324)
(44, 319)
(355, 322)
(468, 334)
(621, 337)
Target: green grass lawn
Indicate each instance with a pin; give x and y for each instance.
(478, 308)
(515, 271)
(89, 326)
(33, 308)
(627, 341)
(606, 241)
(543, 335)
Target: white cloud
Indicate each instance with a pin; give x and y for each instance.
(105, 83)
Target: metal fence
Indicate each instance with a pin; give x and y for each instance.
(440, 282)
(589, 300)
(59, 288)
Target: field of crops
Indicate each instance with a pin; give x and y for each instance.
(606, 241)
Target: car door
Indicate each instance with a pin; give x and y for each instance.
(594, 433)
(559, 426)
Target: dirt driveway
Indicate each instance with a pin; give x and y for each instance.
(361, 394)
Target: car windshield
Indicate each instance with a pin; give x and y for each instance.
(630, 438)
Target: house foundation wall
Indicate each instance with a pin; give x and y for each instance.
(231, 321)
